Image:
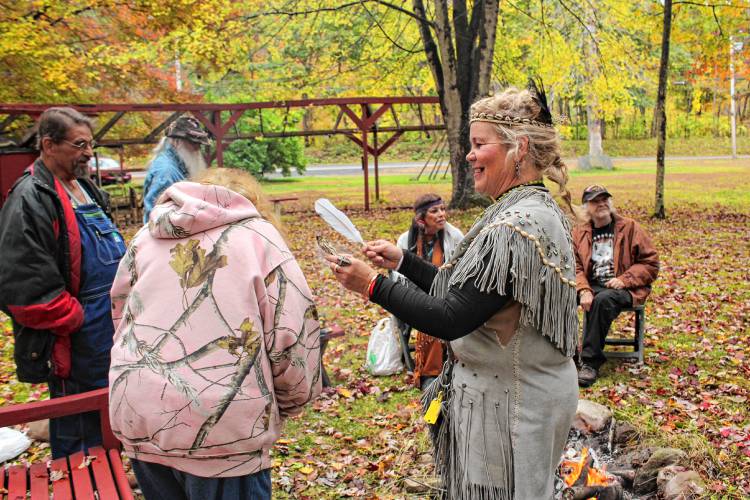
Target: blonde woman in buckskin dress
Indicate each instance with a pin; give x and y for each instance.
(506, 302)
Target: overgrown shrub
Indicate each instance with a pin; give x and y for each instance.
(264, 155)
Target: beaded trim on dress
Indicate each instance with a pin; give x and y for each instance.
(496, 249)
(500, 248)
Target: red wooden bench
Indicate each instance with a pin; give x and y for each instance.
(277, 204)
(98, 474)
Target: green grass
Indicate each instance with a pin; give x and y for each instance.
(416, 147)
(338, 183)
(702, 182)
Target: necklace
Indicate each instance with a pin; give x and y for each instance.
(536, 183)
(474, 231)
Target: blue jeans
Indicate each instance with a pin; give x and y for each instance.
(608, 303)
(101, 250)
(161, 482)
(73, 433)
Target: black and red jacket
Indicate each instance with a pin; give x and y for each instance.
(40, 271)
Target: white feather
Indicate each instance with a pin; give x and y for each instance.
(337, 220)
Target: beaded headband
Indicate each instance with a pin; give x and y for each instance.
(506, 120)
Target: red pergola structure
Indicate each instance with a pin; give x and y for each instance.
(220, 119)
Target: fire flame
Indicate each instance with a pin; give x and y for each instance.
(597, 477)
(571, 470)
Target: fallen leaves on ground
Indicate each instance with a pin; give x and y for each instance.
(361, 438)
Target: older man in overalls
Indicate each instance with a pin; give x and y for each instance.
(60, 255)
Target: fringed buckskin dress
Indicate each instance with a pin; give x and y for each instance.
(510, 391)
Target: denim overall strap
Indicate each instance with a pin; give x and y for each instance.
(102, 247)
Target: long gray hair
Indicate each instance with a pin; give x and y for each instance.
(585, 207)
(193, 160)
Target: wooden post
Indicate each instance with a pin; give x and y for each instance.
(134, 215)
(376, 156)
(366, 168)
(365, 159)
(216, 119)
(122, 163)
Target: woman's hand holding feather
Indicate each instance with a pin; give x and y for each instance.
(383, 253)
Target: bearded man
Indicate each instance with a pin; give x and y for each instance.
(615, 266)
(177, 157)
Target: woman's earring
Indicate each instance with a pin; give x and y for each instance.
(518, 168)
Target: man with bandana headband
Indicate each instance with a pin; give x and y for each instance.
(177, 157)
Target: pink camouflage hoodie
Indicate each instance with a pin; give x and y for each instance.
(217, 337)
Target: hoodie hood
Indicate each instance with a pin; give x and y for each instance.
(187, 208)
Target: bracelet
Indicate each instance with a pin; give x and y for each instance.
(371, 286)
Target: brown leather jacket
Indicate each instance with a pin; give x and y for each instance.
(636, 261)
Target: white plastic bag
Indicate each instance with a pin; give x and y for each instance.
(12, 443)
(384, 349)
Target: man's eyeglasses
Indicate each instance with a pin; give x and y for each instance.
(82, 144)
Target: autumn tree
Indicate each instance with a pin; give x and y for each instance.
(78, 50)
(731, 13)
(601, 55)
(459, 45)
(661, 117)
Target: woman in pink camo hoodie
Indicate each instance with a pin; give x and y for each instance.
(217, 341)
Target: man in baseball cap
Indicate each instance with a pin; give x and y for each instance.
(177, 157)
(615, 266)
(593, 191)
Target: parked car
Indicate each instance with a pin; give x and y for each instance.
(109, 169)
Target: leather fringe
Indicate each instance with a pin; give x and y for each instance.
(450, 456)
(494, 252)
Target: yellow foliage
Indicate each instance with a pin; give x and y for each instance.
(106, 50)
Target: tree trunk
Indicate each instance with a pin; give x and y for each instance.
(594, 125)
(307, 122)
(716, 106)
(593, 120)
(660, 114)
(460, 58)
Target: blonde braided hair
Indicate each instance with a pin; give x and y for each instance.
(543, 141)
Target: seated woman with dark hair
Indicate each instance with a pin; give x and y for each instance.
(433, 239)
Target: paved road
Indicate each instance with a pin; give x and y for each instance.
(352, 169)
(415, 166)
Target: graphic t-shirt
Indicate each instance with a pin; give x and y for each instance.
(602, 254)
